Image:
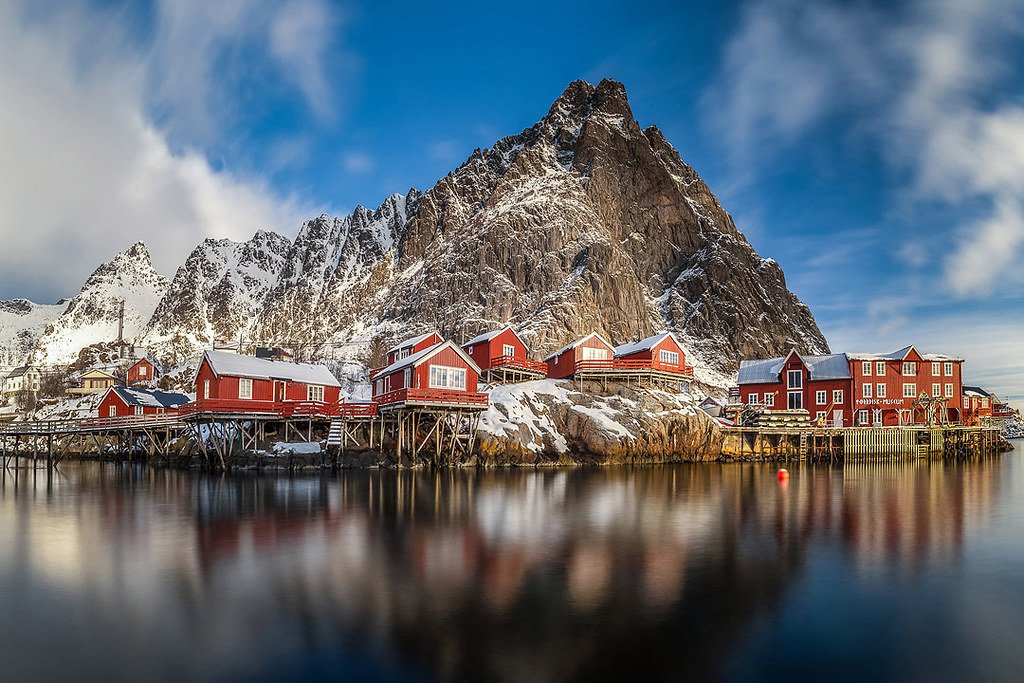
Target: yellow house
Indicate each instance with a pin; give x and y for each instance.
(94, 381)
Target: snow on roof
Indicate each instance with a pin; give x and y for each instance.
(411, 341)
(420, 356)
(150, 398)
(488, 336)
(645, 344)
(576, 343)
(98, 371)
(901, 354)
(766, 370)
(237, 365)
(977, 392)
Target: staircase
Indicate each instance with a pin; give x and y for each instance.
(335, 435)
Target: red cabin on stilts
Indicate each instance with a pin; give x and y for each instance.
(129, 401)
(441, 375)
(503, 357)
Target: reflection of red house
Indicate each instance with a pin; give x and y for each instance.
(584, 353)
(502, 357)
(230, 382)
(442, 374)
(142, 372)
(128, 401)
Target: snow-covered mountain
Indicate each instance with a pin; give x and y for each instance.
(21, 325)
(92, 315)
(584, 221)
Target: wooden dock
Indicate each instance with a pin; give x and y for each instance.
(838, 443)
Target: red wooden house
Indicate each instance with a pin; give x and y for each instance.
(143, 371)
(661, 353)
(125, 402)
(885, 386)
(502, 356)
(406, 348)
(821, 385)
(587, 354)
(440, 375)
(232, 383)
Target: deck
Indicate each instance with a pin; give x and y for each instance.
(509, 369)
(431, 398)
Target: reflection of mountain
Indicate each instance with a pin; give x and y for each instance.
(542, 575)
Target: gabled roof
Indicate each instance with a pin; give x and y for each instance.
(976, 391)
(421, 356)
(488, 336)
(21, 371)
(151, 398)
(97, 371)
(237, 365)
(901, 354)
(411, 341)
(646, 344)
(766, 370)
(579, 341)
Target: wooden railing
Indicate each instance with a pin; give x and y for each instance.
(440, 396)
(91, 424)
(521, 363)
(638, 364)
(281, 408)
(366, 409)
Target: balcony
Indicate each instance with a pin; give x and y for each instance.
(513, 363)
(437, 397)
(291, 409)
(632, 365)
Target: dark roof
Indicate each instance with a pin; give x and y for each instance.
(20, 371)
(976, 390)
(134, 396)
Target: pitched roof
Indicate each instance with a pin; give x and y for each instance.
(415, 359)
(20, 371)
(237, 365)
(576, 343)
(411, 341)
(901, 354)
(488, 336)
(645, 344)
(976, 391)
(152, 398)
(766, 370)
(98, 371)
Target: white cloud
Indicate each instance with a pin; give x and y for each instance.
(923, 82)
(300, 40)
(357, 163)
(85, 173)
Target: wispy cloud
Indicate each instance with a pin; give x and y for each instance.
(922, 82)
(357, 163)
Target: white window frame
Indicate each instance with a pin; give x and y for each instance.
(669, 357)
(967, 402)
(862, 418)
(880, 390)
(206, 388)
(837, 395)
(821, 415)
(112, 411)
(752, 399)
(407, 378)
(508, 350)
(880, 368)
(595, 353)
(936, 390)
(949, 390)
(245, 388)
(909, 368)
(315, 392)
(138, 410)
(769, 399)
(865, 368)
(142, 370)
(798, 404)
(820, 397)
(947, 369)
(798, 375)
(909, 390)
(936, 367)
(865, 390)
(876, 417)
(447, 377)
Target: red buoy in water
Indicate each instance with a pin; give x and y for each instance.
(783, 474)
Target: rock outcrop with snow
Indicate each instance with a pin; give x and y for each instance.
(22, 323)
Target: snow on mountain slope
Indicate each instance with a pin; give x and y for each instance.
(216, 294)
(92, 315)
(21, 324)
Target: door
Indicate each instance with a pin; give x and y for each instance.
(280, 388)
(837, 418)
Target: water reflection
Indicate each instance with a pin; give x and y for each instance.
(659, 572)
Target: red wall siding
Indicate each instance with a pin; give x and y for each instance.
(485, 352)
(432, 340)
(894, 379)
(808, 393)
(133, 372)
(122, 409)
(653, 353)
(446, 357)
(226, 387)
(564, 365)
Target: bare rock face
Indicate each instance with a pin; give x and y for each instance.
(547, 422)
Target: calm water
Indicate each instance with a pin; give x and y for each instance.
(909, 572)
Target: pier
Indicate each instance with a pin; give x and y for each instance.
(839, 443)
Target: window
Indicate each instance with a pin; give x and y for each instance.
(769, 400)
(865, 367)
(142, 371)
(443, 377)
(949, 390)
(408, 378)
(935, 369)
(909, 368)
(820, 397)
(206, 388)
(669, 357)
(138, 410)
(590, 353)
(112, 411)
(879, 367)
(795, 379)
(379, 384)
(865, 390)
(752, 399)
(837, 395)
(967, 402)
(245, 388)
(508, 350)
(821, 416)
(876, 417)
(879, 390)
(862, 418)
(796, 400)
(909, 390)
(936, 390)
(984, 403)
(402, 353)
(947, 369)
(315, 392)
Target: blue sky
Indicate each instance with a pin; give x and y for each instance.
(875, 149)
